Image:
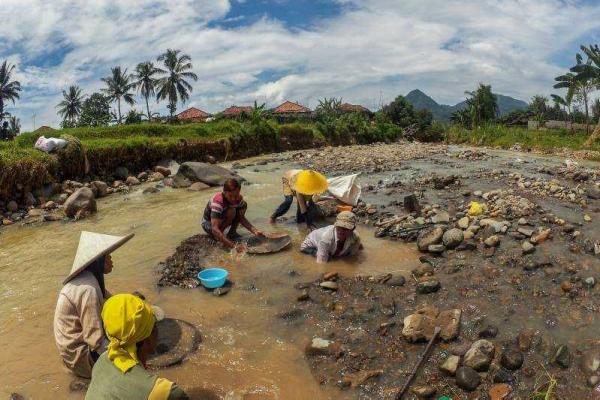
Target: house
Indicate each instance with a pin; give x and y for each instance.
(193, 114)
(236, 111)
(355, 108)
(291, 111)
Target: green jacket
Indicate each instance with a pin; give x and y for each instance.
(109, 383)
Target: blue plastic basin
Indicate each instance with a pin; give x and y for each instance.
(213, 278)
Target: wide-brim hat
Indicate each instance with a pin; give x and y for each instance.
(91, 247)
(310, 182)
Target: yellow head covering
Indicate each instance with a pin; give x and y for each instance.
(310, 182)
(127, 320)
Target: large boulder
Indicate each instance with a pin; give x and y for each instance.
(99, 188)
(80, 203)
(429, 237)
(212, 175)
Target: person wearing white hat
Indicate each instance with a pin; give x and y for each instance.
(334, 241)
(78, 329)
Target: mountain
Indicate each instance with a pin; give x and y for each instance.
(442, 112)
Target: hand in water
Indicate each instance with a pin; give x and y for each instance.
(259, 233)
(240, 247)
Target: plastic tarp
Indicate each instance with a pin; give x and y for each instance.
(345, 189)
(49, 145)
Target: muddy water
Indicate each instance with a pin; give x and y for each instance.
(247, 352)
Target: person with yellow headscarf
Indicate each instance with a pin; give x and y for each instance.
(119, 373)
(301, 185)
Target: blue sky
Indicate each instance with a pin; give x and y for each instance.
(365, 51)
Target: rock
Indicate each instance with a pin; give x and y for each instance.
(198, 186)
(590, 362)
(49, 205)
(411, 204)
(322, 347)
(452, 237)
(164, 171)
(34, 212)
(179, 182)
(593, 380)
(329, 285)
(525, 339)
(143, 176)
(122, 173)
(442, 217)
(463, 223)
(359, 378)
(132, 181)
(450, 365)
(150, 190)
(502, 376)
(6, 222)
(16, 396)
(428, 286)
(436, 248)
(30, 200)
(330, 276)
(171, 165)
(428, 237)
(304, 296)
(423, 392)
(522, 221)
(525, 231)
(467, 378)
(492, 241)
(541, 236)
(480, 355)
(155, 177)
(589, 282)
(587, 218)
(221, 291)
(527, 247)
(499, 391)
(512, 359)
(566, 286)
(449, 322)
(563, 357)
(489, 332)
(12, 206)
(396, 280)
(418, 327)
(212, 175)
(62, 198)
(99, 188)
(80, 203)
(421, 325)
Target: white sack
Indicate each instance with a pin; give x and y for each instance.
(345, 189)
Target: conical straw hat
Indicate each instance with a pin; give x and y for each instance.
(310, 182)
(93, 246)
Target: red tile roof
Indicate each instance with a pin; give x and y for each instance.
(289, 107)
(234, 111)
(354, 108)
(192, 113)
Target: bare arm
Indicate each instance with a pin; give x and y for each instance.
(215, 225)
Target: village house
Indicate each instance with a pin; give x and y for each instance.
(348, 108)
(193, 114)
(236, 112)
(288, 111)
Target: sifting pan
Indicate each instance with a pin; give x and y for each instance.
(268, 244)
(176, 340)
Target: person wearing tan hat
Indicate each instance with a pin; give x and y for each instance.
(78, 326)
(334, 241)
(301, 185)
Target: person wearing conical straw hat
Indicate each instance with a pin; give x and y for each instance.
(77, 322)
(334, 241)
(120, 373)
(301, 185)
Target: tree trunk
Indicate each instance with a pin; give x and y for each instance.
(1, 109)
(119, 109)
(587, 112)
(148, 108)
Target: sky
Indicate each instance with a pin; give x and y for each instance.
(364, 51)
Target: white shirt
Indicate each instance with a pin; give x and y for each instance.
(325, 241)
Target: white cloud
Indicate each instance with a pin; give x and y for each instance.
(373, 51)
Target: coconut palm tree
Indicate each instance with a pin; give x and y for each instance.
(174, 86)
(118, 86)
(587, 76)
(70, 108)
(9, 89)
(14, 126)
(146, 82)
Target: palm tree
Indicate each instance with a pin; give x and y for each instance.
(146, 82)
(483, 105)
(173, 86)
(14, 126)
(118, 86)
(70, 108)
(588, 78)
(258, 113)
(9, 89)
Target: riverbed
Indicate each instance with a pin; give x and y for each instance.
(247, 351)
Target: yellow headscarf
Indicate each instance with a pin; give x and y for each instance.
(127, 320)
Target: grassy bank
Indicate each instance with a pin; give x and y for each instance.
(506, 137)
(138, 147)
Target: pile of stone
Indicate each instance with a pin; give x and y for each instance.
(551, 188)
(471, 154)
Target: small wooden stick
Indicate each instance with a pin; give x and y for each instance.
(424, 358)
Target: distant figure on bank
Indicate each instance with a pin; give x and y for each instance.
(334, 241)
(227, 210)
(301, 185)
(77, 321)
(119, 373)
